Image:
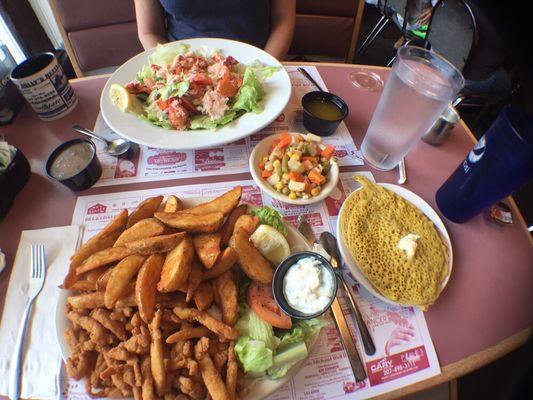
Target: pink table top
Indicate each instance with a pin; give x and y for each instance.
(487, 300)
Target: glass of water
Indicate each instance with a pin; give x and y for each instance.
(420, 86)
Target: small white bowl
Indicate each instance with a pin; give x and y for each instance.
(261, 150)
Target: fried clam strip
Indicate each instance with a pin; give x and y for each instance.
(232, 371)
(116, 327)
(79, 365)
(147, 387)
(212, 379)
(157, 362)
(191, 388)
(103, 257)
(98, 334)
(227, 259)
(145, 228)
(192, 223)
(188, 333)
(214, 325)
(156, 244)
(139, 343)
(102, 240)
(145, 209)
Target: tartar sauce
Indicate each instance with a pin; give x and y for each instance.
(308, 285)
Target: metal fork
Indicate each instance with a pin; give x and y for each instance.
(37, 276)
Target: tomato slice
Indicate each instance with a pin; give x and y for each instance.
(261, 301)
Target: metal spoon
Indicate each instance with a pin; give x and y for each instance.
(328, 241)
(309, 78)
(115, 147)
(402, 175)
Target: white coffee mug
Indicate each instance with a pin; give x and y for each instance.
(43, 83)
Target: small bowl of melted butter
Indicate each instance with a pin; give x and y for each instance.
(323, 112)
(75, 164)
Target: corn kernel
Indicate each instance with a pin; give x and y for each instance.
(289, 154)
(295, 157)
(286, 177)
(278, 186)
(292, 195)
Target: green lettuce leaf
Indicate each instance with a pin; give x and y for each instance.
(165, 54)
(155, 116)
(204, 122)
(174, 89)
(145, 72)
(251, 92)
(253, 355)
(269, 216)
(283, 361)
(301, 331)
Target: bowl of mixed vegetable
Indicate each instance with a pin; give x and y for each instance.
(295, 168)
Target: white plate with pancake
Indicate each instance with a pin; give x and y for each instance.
(261, 387)
(426, 209)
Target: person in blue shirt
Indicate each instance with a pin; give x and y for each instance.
(268, 24)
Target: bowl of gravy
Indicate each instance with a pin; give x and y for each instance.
(75, 164)
(323, 112)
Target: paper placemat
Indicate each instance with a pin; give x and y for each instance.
(405, 352)
(149, 164)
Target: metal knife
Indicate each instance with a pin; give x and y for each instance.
(329, 243)
(338, 316)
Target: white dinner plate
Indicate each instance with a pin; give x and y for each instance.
(426, 209)
(277, 94)
(260, 388)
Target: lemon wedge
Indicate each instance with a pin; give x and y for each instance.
(123, 99)
(271, 243)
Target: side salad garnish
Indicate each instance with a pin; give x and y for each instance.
(184, 89)
(297, 165)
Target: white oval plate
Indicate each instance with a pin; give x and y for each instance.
(277, 94)
(426, 209)
(260, 388)
(261, 149)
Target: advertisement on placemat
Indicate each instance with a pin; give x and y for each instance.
(150, 164)
(405, 352)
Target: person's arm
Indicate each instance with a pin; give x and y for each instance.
(150, 23)
(283, 15)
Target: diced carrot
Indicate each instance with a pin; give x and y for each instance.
(316, 177)
(261, 165)
(296, 176)
(312, 159)
(308, 186)
(308, 165)
(328, 151)
(274, 144)
(284, 140)
(266, 173)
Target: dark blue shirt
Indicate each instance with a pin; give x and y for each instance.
(244, 20)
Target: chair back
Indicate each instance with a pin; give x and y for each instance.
(327, 29)
(98, 33)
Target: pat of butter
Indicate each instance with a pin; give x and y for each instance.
(408, 244)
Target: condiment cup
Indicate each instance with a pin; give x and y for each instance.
(319, 126)
(261, 149)
(441, 129)
(83, 179)
(279, 275)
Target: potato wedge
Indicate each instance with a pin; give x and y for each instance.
(156, 244)
(203, 297)
(146, 286)
(102, 240)
(226, 287)
(177, 266)
(86, 301)
(120, 278)
(225, 261)
(229, 225)
(145, 228)
(252, 262)
(195, 277)
(84, 285)
(207, 246)
(173, 204)
(213, 324)
(101, 283)
(145, 209)
(104, 257)
(224, 203)
(205, 223)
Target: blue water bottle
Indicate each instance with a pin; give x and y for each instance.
(500, 163)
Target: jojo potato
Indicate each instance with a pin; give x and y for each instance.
(156, 244)
(224, 203)
(145, 228)
(177, 266)
(207, 246)
(252, 262)
(145, 209)
(205, 223)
